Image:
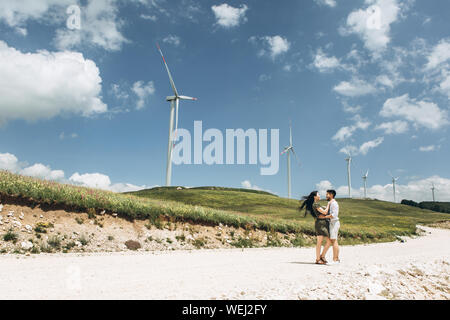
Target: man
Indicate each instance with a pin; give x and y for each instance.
(333, 215)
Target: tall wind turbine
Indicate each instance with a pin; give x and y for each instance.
(349, 175)
(432, 191)
(174, 106)
(288, 150)
(394, 182)
(365, 183)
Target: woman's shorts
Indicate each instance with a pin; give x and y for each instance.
(321, 227)
(334, 229)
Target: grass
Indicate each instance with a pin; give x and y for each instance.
(361, 220)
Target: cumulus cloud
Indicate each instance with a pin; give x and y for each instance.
(44, 84)
(173, 40)
(393, 127)
(323, 186)
(420, 113)
(373, 23)
(248, 185)
(44, 172)
(324, 63)
(9, 162)
(16, 14)
(329, 3)
(354, 88)
(100, 27)
(417, 190)
(272, 45)
(143, 91)
(228, 16)
(363, 148)
(346, 132)
(429, 148)
(439, 54)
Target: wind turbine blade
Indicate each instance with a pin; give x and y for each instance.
(367, 173)
(285, 150)
(187, 98)
(172, 83)
(296, 157)
(290, 133)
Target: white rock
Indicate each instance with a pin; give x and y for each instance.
(102, 213)
(1, 207)
(78, 243)
(28, 227)
(26, 245)
(16, 224)
(11, 214)
(41, 216)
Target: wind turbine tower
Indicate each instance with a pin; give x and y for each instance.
(174, 106)
(289, 149)
(394, 182)
(365, 183)
(432, 191)
(349, 175)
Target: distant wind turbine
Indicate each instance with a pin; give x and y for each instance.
(394, 182)
(288, 150)
(174, 106)
(349, 175)
(432, 191)
(365, 183)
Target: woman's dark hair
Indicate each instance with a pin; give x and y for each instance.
(308, 203)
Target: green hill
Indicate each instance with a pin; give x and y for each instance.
(430, 205)
(362, 220)
(366, 218)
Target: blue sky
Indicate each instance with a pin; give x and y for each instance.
(88, 106)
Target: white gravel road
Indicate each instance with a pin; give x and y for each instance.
(416, 269)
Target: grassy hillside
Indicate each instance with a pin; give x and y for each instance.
(362, 221)
(366, 218)
(430, 205)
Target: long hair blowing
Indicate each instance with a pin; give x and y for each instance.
(308, 204)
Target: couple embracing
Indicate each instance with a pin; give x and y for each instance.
(327, 224)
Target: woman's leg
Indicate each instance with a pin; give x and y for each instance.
(326, 247)
(318, 246)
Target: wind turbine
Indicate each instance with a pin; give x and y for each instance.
(365, 183)
(432, 191)
(174, 106)
(349, 176)
(394, 181)
(288, 150)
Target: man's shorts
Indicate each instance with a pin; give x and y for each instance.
(334, 229)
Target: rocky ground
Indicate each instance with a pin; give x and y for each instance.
(26, 230)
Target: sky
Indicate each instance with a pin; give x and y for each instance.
(82, 101)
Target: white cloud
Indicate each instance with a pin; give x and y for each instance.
(324, 63)
(393, 127)
(385, 81)
(329, 3)
(46, 84)
(369, 145)
(439, 54)
(323, 186)
(63, 136)
(355, 88)
(228, 16)
(346, 132)
(100, 26)
(15, 13)
(428, 148)
(364, 148)
(417, 190)
(420, 113)
(143, 91)
(373, 23)
(248, 185)
(272, 45)
(44, 172)
(173, 40)
(9, 162)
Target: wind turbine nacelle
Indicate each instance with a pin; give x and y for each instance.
(171, 98)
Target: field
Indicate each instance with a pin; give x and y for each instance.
(362, 221)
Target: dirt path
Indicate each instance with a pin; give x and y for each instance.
(418, 268)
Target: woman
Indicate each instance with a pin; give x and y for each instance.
(321, 226)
